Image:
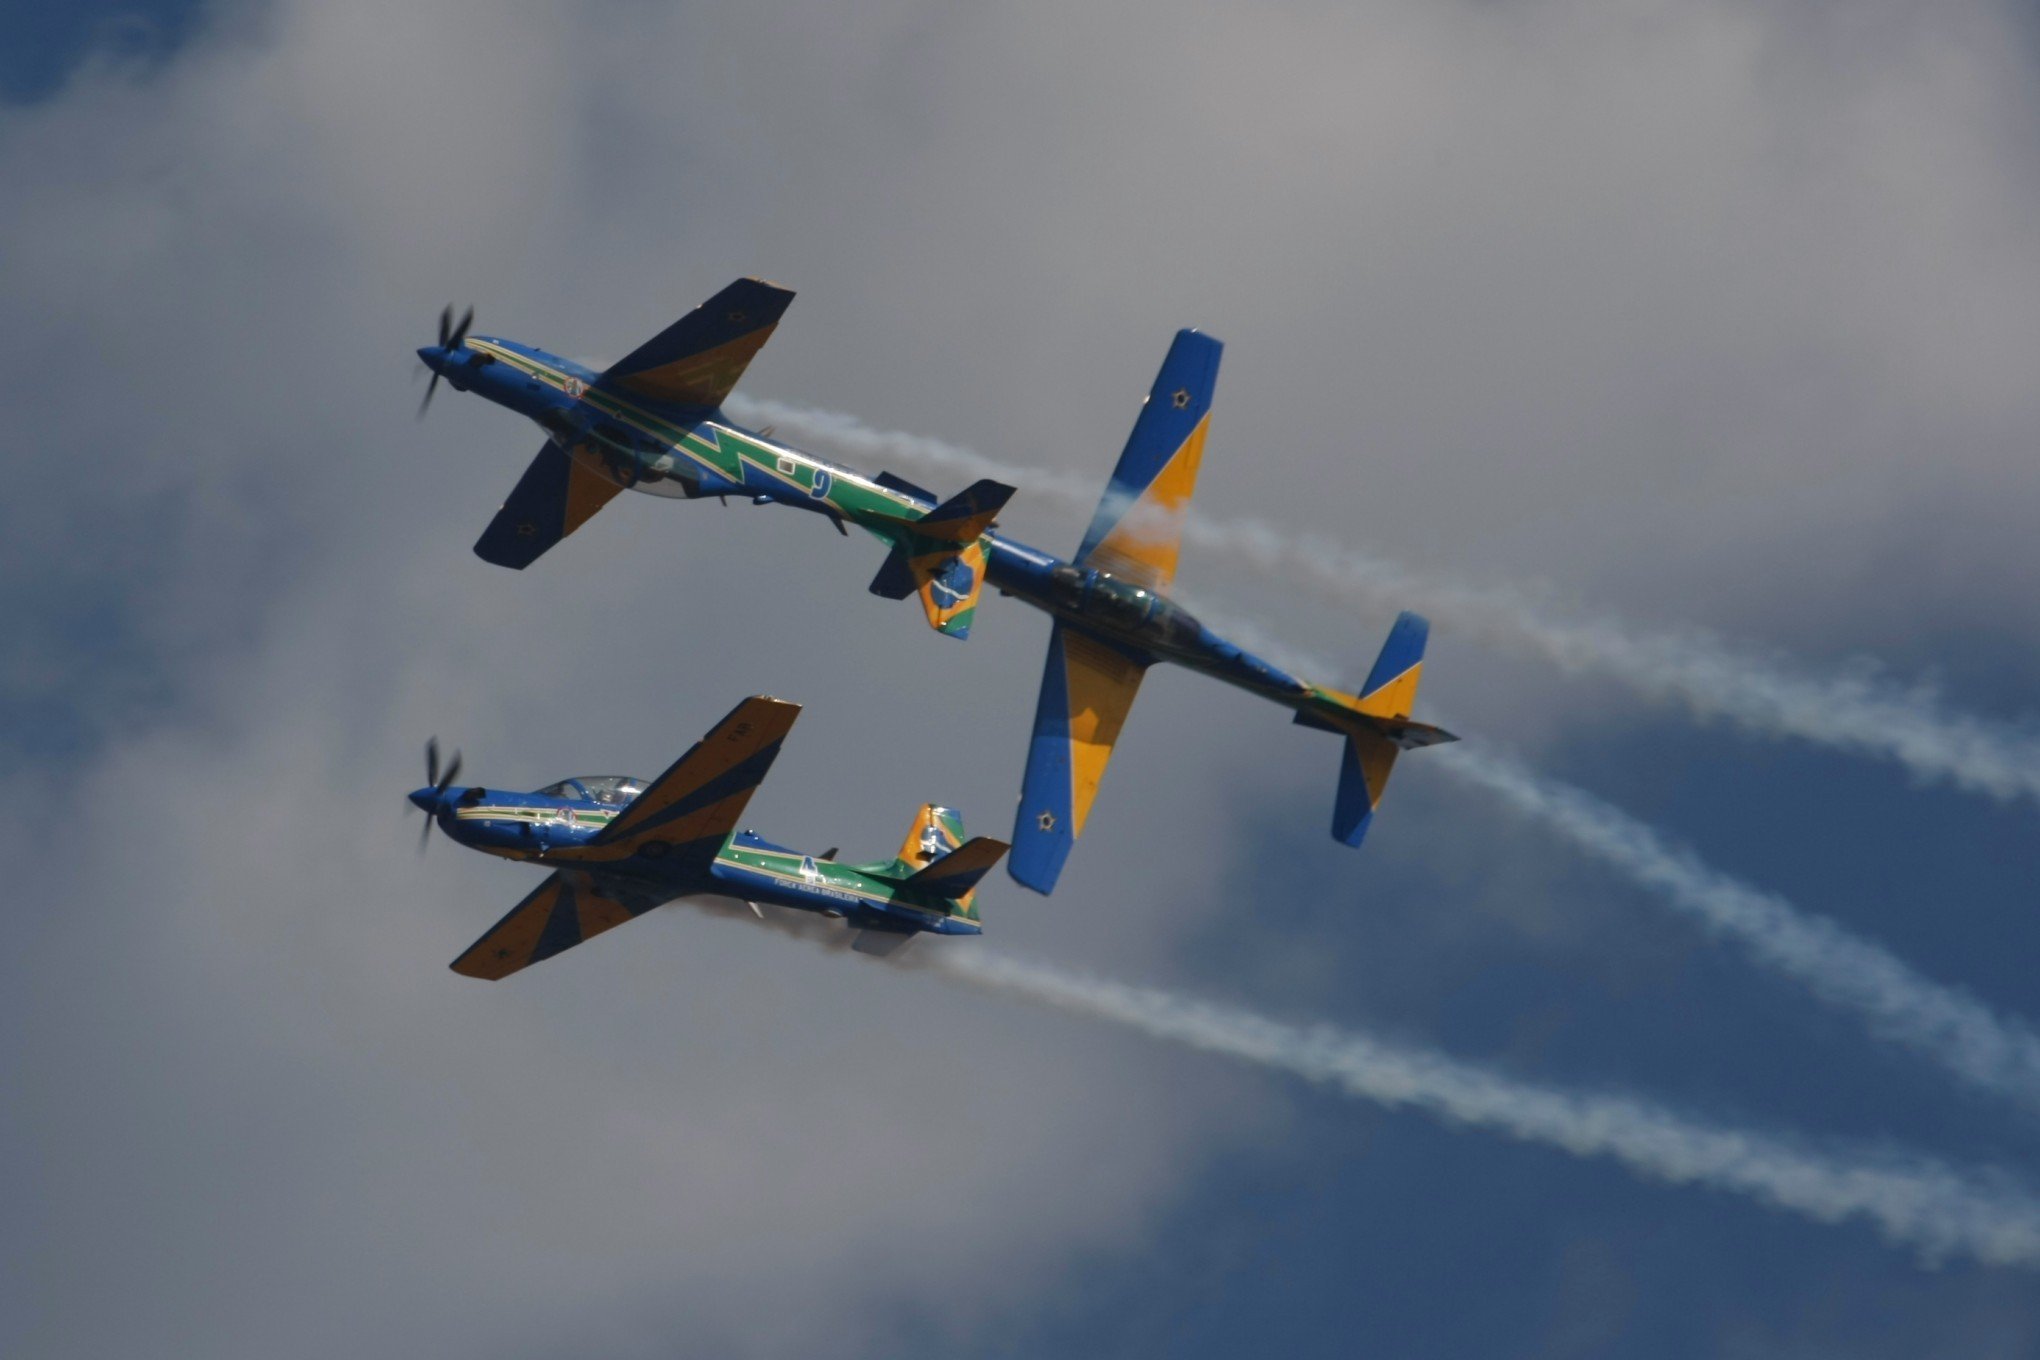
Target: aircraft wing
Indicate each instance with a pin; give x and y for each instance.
(555, 496)
(698, 359)
(1138, 527)
(572, 905)
(693, 806)
(1086, 690)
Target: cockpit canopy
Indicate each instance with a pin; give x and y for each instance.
(1125, 607)
(610, 790)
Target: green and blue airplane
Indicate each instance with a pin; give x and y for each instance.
(654, 422)
(623, 846)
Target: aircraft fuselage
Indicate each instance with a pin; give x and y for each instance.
(695, 454)
(538, 828)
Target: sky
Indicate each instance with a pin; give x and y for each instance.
(1713, 317)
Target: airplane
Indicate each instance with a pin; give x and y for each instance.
(654, 422)
(621, 846)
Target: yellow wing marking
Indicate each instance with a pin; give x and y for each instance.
(588, 488)
(1143, 546)
(702, 379)
(1101, 685)
(1395, 699)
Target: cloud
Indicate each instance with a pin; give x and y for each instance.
(1624, 295)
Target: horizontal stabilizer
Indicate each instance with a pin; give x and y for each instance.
(967, 514)
(957, 873)
(895, 579)
(1406, 735)
(1409, 736)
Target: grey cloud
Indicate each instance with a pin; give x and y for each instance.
(1474, 262)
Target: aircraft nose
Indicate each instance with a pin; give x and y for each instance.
(427, 799)
(433, 357)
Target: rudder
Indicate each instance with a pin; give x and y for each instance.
(941, 557)
(936, 831)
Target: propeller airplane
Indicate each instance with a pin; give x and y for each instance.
(621, 846)
(653, 422)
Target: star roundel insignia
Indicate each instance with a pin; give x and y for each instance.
(525, 528)
(1181, 399)
(1046, 821)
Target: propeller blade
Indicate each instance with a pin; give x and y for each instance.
(460, 332)
(446, 325)
(439, 780)
(430, 388)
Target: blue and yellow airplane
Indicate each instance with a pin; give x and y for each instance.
(622, 846)
(654, 422)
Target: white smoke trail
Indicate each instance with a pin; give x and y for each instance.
(1858, 710)
(1954, 1030)
(1913, 1200)
(1997, 1055)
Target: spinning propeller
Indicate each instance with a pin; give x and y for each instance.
(450, 339)
(439, 782)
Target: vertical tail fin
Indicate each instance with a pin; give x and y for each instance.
(941, 557)
(937, 839)
(936, 831)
